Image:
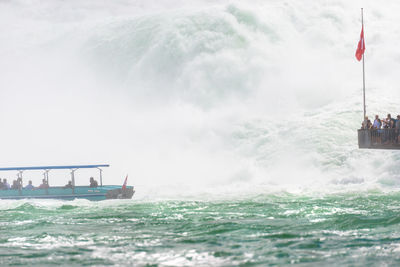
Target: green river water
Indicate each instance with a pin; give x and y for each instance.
(233, 99)
(354, 229)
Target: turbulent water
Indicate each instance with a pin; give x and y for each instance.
(345, 229)
(236, 122)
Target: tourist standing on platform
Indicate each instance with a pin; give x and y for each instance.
(397, 128)
(377, 123)
(390, 121)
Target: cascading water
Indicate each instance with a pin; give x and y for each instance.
(236, 122)
(223, 95)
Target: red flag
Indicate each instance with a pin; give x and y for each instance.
(361, 46)
(124, 185)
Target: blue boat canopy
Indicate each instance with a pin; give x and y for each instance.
(54, 167)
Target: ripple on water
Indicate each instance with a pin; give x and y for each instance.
(330, 230)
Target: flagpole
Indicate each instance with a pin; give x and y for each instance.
(362, 23)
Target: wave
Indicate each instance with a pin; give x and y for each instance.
(192, 98)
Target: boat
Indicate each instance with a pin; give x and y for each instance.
(100, 192)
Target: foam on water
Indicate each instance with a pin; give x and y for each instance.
(355, 229)
(192, 97)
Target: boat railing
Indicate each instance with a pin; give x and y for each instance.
(46, 170)
(379, 138)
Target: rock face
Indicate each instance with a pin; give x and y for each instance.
(120, 194)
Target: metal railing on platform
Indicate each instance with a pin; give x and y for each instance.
(379, 138)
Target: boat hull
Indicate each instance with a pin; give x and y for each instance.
(83, 192)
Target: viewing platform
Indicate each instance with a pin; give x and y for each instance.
(378, 139)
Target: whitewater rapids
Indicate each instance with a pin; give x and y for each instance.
(193, 98)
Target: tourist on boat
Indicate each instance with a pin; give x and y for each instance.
(69, 185)
(1, 185)
(6, 185)
(29, 186)
(44, 184)
(14, 185)
(19, 183)
(93, 182)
